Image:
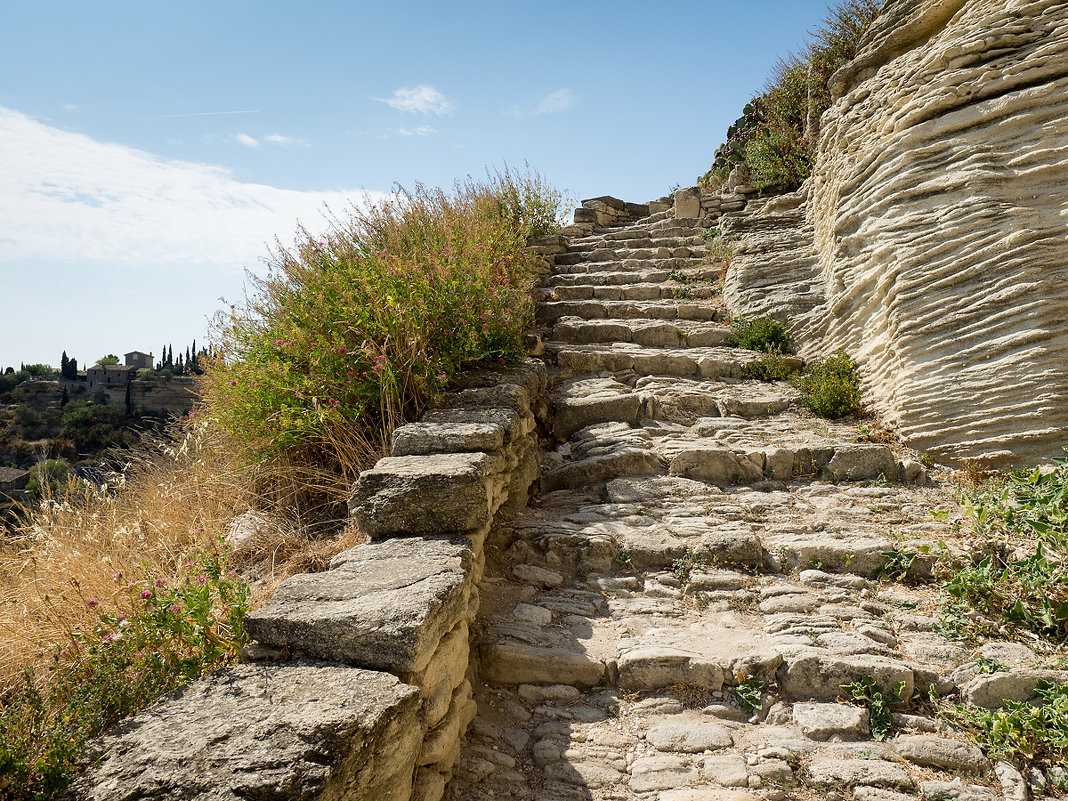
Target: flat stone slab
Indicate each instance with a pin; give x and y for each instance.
(874, 772)
(824, 721)
(421, 439)
(689, 735)
(515, 663)
(651, 667)
(422, 496)
(269, 732)
(584, 402)
(383, 605)
(939, 752)
(820, 676)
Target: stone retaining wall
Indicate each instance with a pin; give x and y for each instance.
(360, 679)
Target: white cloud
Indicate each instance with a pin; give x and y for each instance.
(422, 99)
(246, 140)
(552, 103)
(422, 130)
(287, 141)
(64, 195)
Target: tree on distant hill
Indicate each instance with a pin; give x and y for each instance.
(68, 368)
(111, 358)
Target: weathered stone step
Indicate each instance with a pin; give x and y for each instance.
(648, 251)
(706, 273)
(550, 312)
(650, 333)
(633, 265)
(633, 291)
(704, 362)
(687, 401)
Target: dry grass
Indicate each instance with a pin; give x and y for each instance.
(178, 495)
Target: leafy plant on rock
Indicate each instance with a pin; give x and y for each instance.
(878, 700)
(830, 387)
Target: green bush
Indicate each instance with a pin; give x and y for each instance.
(762, 333)
(101, 675)
(772, 367)
(47, 479)
(355, 330)
(1021, 729)
(830, 387)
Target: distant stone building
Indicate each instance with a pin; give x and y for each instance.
(142, 361)
(102, 377)
(13, 481)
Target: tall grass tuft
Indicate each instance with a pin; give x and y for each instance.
(355, 330)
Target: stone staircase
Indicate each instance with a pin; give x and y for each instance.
(674, 616)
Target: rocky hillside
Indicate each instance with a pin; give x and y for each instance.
(931, 239)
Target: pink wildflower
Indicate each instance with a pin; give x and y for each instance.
(146, 594)
(91, 603)
(342, 351)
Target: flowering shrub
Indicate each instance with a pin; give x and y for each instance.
(356, 329)
(99, 675)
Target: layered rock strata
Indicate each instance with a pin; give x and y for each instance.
(932, 240)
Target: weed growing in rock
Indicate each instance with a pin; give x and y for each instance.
(685, 565)
(761, 333)
(772, 367)
(750, 694)
(986, 665)
(830, 387)
(1022, 582)
(1037, 732)
(116, 665)
(878, 700)
(719, 250)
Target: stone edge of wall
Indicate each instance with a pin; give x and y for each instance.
(389, 621)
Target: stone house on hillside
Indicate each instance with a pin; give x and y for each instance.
(142, 361)
(102, 377)
(13, 481)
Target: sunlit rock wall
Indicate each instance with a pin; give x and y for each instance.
(939, 218)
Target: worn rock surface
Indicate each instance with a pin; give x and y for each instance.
(930, 241)
(298, 731)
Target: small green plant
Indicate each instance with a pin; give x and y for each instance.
(709, 234)
(750, 694)
(761, 333)
(879, 702)
(101, 675)
(830, 387)
(772, 367)
(1036, 732)
(897, 564)
(719, 249)
(986, 664)
(685, 565)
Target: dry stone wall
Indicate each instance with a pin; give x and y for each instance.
(358, 683)
(931, 239)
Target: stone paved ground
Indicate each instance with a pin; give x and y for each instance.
(697, 533)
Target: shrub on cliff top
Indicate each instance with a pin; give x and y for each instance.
(353, 331)
(776, 134)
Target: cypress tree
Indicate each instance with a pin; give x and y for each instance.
(64, 365)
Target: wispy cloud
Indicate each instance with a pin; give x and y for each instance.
(422, 130)
(421, 99)
(66, 195)
(205, 114)
(286, 141)
(246, 140)
(552, 103)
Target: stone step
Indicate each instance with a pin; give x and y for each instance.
(649, 251)
(678, 309)
(650, 333)
(634, 291)
(703, 273)
(633, 265)
(703, 362)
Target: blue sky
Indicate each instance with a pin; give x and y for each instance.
(150, 151)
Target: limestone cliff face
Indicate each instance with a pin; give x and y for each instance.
(938, 216)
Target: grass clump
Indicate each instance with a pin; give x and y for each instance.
(879, 701)
(771, 367)
(830, 387)
(761, 333)
(777, 133)
(116, 665)
(357, 329)
(1022, 581)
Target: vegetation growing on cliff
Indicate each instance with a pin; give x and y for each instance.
(776, 135)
